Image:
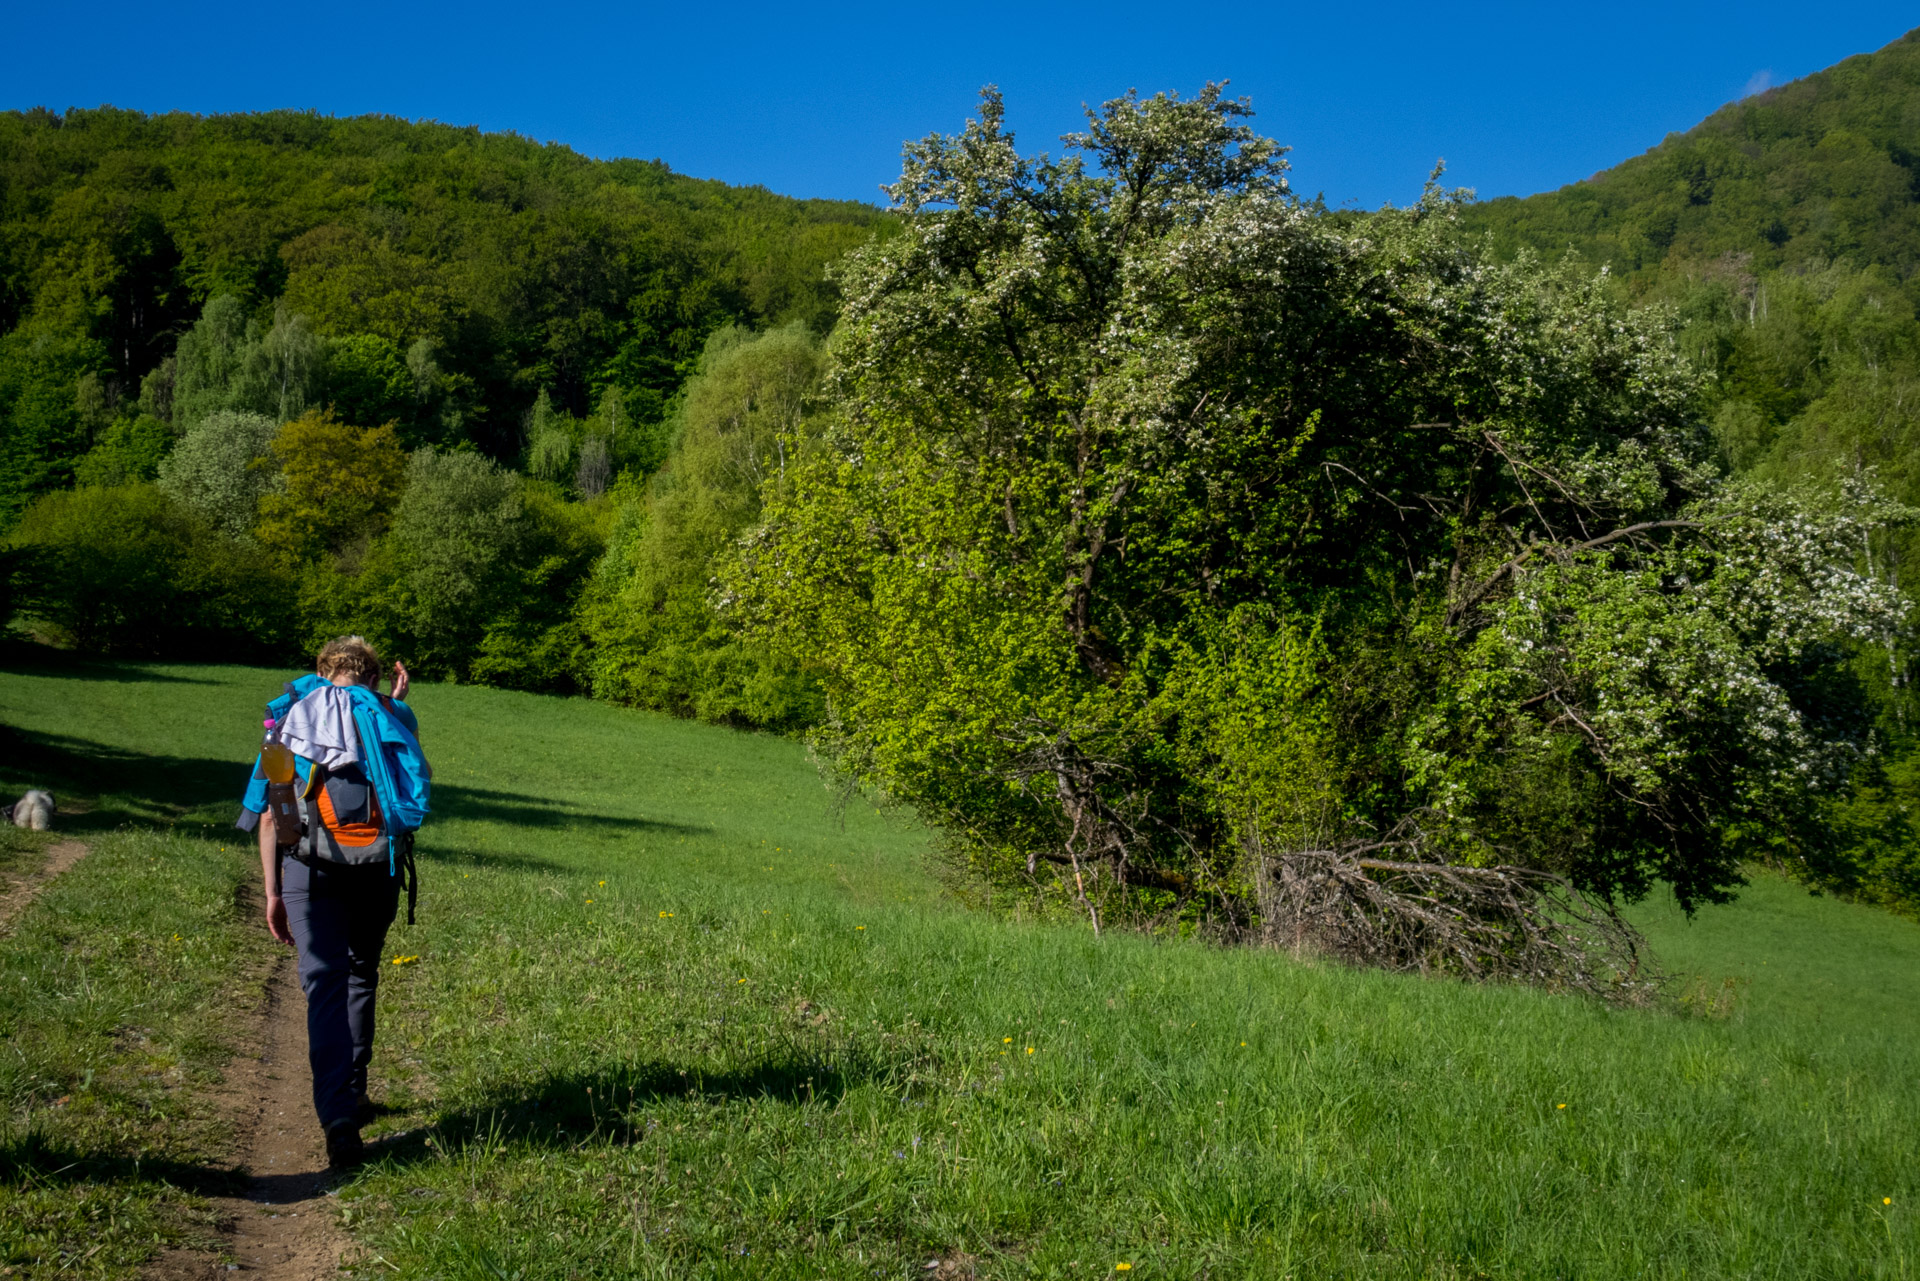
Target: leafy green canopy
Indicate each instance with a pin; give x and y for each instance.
(436, 275)
(1784, 231)
(1165, 525)
(656, 638)
(130, 570)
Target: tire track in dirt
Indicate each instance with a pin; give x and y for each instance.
(60, 857)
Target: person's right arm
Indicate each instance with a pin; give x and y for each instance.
(270, 881)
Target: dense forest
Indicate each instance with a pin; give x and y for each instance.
(1142, 525)
(269, 376)
(1825, 169)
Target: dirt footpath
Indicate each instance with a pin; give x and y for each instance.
(60, 857)
(285, 1226)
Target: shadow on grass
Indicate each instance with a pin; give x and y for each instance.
(34, 1160)
(102, 786)
(24, 658)
(515, 809)
(563, 1110)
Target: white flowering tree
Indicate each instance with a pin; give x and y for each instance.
(1191, 555)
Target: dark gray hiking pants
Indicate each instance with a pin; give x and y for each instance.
(339, 916)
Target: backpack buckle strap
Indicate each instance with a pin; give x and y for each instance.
(410, 872)
(309, 842)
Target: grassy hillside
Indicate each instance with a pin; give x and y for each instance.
(1824, 168)
(675, 1015)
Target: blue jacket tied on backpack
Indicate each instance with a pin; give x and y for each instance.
(388, 752)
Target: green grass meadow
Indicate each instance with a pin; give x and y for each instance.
(675, 1014)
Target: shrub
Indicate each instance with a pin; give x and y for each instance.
(129, 570)
(222, 467)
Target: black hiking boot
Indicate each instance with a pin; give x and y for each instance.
(344, 1148)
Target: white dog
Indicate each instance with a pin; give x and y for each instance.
(34, 810)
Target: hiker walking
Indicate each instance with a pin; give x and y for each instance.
(336, 825)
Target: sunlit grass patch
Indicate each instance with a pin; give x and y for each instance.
(713, 1070)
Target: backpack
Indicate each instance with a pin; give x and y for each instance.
(367, 811)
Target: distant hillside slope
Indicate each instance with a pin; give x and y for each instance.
(525, 266)
(1783, 232)
(1827, 167)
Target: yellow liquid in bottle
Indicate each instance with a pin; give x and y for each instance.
(277, 762)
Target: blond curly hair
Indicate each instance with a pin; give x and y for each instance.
(349, 656)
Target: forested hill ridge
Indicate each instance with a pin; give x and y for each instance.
(522, 267)
(1826, 168)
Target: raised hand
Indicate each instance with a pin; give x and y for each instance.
(400, 681)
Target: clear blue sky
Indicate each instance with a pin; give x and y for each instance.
(815, 100)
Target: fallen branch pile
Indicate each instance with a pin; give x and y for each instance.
(1506, 923)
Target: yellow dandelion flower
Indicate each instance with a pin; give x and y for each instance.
(405, 960)
(1563, 1107)
(743, 980)
(1029, 1049)
(1005, 1040)
(589, 900)
(603, 882)
(1123, 1267)
(859, 927)
(1243, 1045)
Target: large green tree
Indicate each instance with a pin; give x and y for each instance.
(1172, 535)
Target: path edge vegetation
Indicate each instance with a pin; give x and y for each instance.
(134, 977)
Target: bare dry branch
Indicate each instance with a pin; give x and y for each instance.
(1487, 923)
(1459, 609)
